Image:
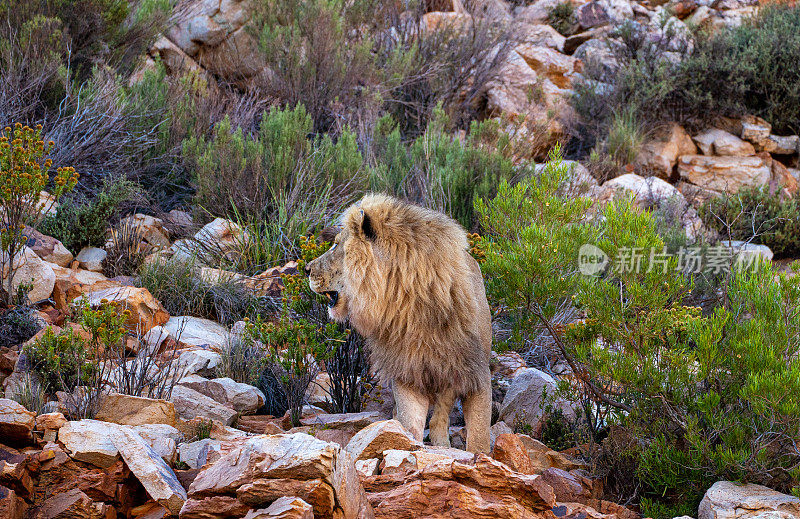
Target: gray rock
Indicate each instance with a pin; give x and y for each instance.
(191, 404)
(728, 500)
(146, 464)
(525, 402)
(91, 258)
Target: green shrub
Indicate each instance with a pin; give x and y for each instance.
(702, 398)
(182, 291)
(261, 176)
(17, 325)
(532, 233)
(561, 17)
(61, 361)
(442, 171)
(734, 71)
(82, 221)
(750, 69)
(331, 77)
(754, 213)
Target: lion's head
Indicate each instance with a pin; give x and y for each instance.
(326, 276)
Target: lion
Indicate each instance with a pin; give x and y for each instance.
(403, 277)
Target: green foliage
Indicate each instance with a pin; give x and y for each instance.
(329, 77)
(182, 291)
(704, 397)
(440, 170)
(262, 176)
(293, 348)
(17, 325)
(750, 69)
(46, 47)
(734, 71)
(24, 173)
(82, 221)
(532, 234)
(754, 213)
(60, 361)
(561, 17)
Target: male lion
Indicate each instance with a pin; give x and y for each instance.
(404, 278)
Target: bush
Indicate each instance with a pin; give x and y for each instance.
(182, 291)
(17, 325)
(687, 399)
(710, 398)
(532, 237)
(46, 48)
(755, 214)
(694, 78)
(333, 75)
(750, 69)
(61, 361)
(279, 169)
(442, 171)
(24, 174)
(82, 221)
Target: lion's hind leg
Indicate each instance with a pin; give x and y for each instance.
(440, 420)
(411, 408)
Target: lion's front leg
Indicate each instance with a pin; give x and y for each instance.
(411, 408)
(478, 418)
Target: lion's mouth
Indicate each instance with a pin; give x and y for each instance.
(333, 297)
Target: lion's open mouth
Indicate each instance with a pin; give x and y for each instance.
(333, 297)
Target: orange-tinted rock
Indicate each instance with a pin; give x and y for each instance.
(508, 449)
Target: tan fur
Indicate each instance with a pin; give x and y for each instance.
(407, 283)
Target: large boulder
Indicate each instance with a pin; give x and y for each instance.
(724, 174)
(162, 438)
(149, 228)
(265, 468)
(155, 476)
(191, 404)
(284, 508)
(647, 191)
(16, 422)
(243, 398)
(221, 235)
(31, 271)
(48, 248)
(214, 35)
(660, 153)
(195, 331)
(90, 441)
(135, 410)
(91, 258)
(200, 362)
(145, 310)
(451, 488)
(728, 500)
(526, 401)
(719, 142)
(757, 131)
(375, 438)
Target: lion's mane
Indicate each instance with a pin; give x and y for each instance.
(417, 296)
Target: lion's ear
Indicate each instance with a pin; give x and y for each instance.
(367, 227)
